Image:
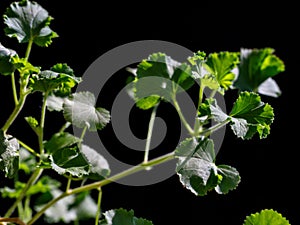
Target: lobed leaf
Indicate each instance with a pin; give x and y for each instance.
(266, 217)
(122, 217)
(197, 169)
(256, 67)
(159, 77)
(79, 109)
(28, 21)
(249, 109)
(6, 65)
(221, 65)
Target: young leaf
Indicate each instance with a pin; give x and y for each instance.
(221, 65)
(28, 21)
(258, 115)
(59, 83)
(79, 109)
(9, 155)
(24, 67)
(6, 65)
(257, 65)
(122, 217)
(266, 217)
(197, 169)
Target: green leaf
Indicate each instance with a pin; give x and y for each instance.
(266, 217)
(122, 217)
(69, 161)
(28, 21)
(51, 81)
(258, 115)
(6, 65)
(9, 155)
(221, 65)
(257, 65)
(59, 141)
(197, 169)
(24, 67)
(43, 185)
(166, 76)
(99, 168)
(65, 155)
(79, 109)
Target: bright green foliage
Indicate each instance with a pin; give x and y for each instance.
(123, 217)
(256, 67)
(28, 21)
(258, 115)
(220, 65)
(266, 217)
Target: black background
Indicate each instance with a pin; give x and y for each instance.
(268, 167)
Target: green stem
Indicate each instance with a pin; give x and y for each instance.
(29, 149)
(42, 124)
(68, 184)
(98, 206)
(36, 174)
(83, 133)
(211, 129)
(149, 135)
(95, 185)
(183, 120)
(15, 113)
(64, 127)
(14, 89)
(28, 50)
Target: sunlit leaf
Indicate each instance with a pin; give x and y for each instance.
(80, 110)
(28, 21)
(266, 217)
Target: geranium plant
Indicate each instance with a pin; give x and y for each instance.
(249, 73)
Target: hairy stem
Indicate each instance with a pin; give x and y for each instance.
(36, 174)
(98, 206)
(14, 89)
(14, 113)
(149, 135)
(29, 149)
(182, 118)
(28, 50)
(42, 124)
(99, 184)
